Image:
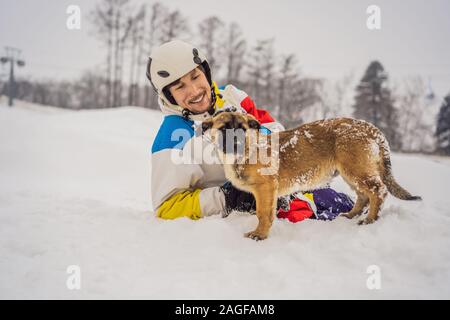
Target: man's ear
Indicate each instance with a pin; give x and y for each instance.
(254, 124)
(206, 125)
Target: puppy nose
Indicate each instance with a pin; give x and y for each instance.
(236, 123)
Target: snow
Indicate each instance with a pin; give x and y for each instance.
(374, 149)
(74, 190)
(292, 141)
(308, 134)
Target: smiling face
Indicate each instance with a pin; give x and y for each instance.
(192, 91)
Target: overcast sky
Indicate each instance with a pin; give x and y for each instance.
(330, 38)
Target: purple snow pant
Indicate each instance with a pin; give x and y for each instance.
(330, 203)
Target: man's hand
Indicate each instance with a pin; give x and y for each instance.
(238, 200)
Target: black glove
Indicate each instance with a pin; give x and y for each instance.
(284, 203)
(239, 200)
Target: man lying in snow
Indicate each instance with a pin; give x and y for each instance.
(181, 76)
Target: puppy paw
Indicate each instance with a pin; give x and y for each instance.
(366, 221)
(346, 215)
(257, 236)
(349, 215)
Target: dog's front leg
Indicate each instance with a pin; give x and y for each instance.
(265, 197)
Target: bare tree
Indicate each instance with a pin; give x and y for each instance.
(42, 93)
(211, 42)
(268, 68)
(158, 13)
(303, 98)
(286, 78)
(123, 26)
(255, 70)
(112, 23)
(62, 95)
(89, 91)
(24, 89)
(174, 26)
(137, 37)
(261, 73)
(297, 97)
(415, 126)
(234, 49)
(334, 97)
(102, 18)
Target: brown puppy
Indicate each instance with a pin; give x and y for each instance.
(303, 159)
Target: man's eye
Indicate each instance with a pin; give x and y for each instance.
(180, 87)
(195, 77)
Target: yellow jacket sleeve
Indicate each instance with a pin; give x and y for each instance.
(183, 204)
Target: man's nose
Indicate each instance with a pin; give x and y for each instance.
(195, 89)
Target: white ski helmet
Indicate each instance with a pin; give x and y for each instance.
(171, 61)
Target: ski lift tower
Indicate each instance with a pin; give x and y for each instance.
(13, 57)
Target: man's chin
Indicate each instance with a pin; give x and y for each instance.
(200, 110)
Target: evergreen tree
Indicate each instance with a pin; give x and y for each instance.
(443, 127)
(375, 104)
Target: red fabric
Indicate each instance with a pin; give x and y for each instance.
(298, 211)
(261, 115)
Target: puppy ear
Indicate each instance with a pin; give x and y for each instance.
(206, 125)
(254, 124)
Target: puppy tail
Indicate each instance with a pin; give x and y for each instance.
(392, 185)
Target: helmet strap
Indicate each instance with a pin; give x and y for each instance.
(186, 113)
(211, 109)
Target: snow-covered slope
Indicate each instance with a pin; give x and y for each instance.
(74, 190)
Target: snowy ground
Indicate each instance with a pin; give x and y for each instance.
(74, 190)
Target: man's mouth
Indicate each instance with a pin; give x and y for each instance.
(198, 99)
